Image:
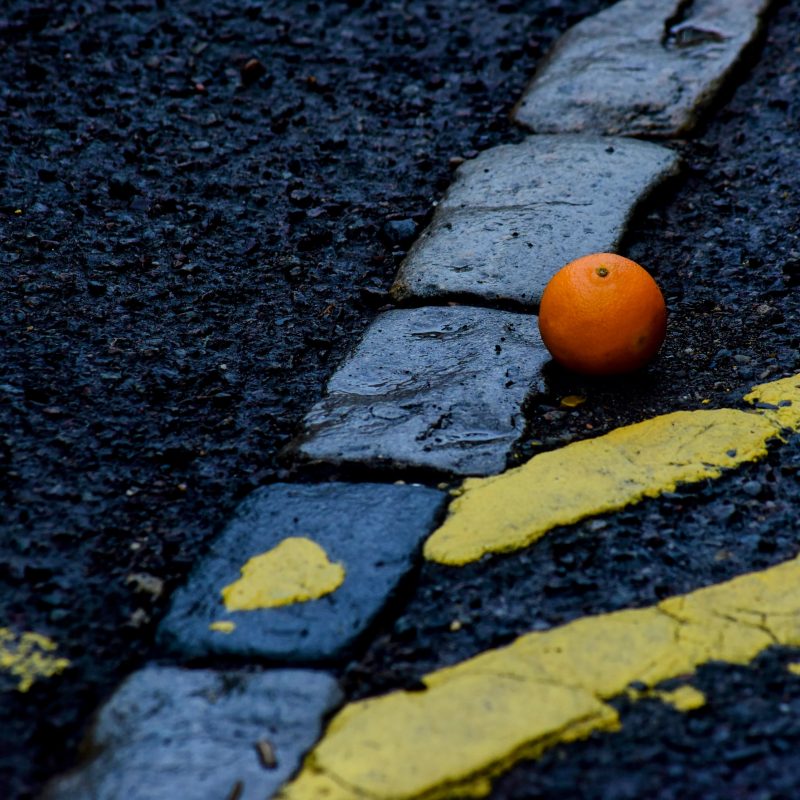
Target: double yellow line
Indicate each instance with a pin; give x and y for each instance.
(474, 720)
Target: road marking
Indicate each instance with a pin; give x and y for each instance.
(510, 511)
(684, 698)
(294, 571)
(29, 657)
(780, 401)
(476, 719)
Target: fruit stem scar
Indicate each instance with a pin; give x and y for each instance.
(602, 272)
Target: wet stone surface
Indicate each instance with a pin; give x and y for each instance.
(440, 388)
(517, 213)
(357, 525)
(640, 67)
(170, 733)
(125, 455)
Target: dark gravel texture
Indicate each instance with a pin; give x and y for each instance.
(213, 200)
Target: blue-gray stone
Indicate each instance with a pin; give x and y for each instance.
(172, 733)
(518, 213)
(441, 388)
(373, 530)
(640, 67)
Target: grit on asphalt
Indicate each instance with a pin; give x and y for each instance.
(198, 244)
(196, 249)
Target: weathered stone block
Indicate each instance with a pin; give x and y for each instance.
(371, 531)
(640, 68)
(172, 733)
(441, 388)
(517, 213)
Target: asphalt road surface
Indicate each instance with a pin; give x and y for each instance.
(190, 242)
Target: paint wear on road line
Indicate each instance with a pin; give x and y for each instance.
(476, 719)
(507, 512)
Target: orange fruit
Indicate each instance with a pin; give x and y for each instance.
(602, 315)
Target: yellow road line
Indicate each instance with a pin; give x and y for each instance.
(29, 657)
(476, 719)
(509, 511)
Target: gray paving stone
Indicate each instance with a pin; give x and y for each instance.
(517, 213)
(172, 733)
(430, 387)
(640, 67)
(373, 530)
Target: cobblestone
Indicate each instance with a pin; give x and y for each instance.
(170, 732)
(441, 388)
(640, 68)
(517, 213)
(359, 528)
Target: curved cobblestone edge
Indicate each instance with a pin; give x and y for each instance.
(166, 729)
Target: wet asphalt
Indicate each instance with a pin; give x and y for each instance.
(141, 253)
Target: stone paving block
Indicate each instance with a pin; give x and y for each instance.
(372, 531)
(172, 733)
(517, 213)
(640, 67)
(430, 387)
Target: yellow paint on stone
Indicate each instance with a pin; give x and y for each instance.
(223, 626)
(509, 511)
(29, 657)
(295, 571)
(476, 719)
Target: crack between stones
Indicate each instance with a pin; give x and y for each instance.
(470, 209)
(683, 12)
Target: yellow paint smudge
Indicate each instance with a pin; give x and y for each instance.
(572, 401)
(476, 719)
(784, 397)
(29, 657)
(223, 626)
(794, 668)
(295, 571)
(684, 698)
(509, 511)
